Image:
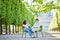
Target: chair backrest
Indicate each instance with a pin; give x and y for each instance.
(41, 28)
(23, 28)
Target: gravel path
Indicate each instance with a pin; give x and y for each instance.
(46, 36)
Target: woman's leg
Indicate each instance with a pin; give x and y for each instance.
(29, 31)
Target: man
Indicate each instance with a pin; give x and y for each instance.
(36, 26)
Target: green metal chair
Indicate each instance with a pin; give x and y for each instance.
(41, 30)
(24, 33)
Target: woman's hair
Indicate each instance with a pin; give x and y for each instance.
(24, 22)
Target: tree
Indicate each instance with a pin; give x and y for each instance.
(47, 7)
(39, 1)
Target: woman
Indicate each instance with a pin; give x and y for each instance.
(26, 28)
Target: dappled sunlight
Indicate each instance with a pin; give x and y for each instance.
(53, 23)
(55, 34)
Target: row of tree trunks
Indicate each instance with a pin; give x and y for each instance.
(8, 29)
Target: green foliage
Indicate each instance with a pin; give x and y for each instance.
(58, 17)
(47, 7)
(58, 1)
(32, 8)
(14, 12)
(39, 1)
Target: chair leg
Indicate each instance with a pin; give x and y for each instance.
(22, 34)
(36, 34)
(42, 34)
(25, 35)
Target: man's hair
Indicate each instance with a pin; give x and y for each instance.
(37, 19)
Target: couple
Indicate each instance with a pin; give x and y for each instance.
(34, 28)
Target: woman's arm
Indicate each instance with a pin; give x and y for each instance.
(25, 26)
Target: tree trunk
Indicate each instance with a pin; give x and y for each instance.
(13, 28)
(6, 29)
(0, 28)
(59, 26)
(57, 16)
(18, 28)
(9, 30)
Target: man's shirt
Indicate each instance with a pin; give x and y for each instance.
(36, 26)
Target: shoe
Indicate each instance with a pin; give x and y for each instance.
(33, 37)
